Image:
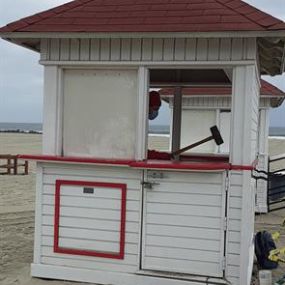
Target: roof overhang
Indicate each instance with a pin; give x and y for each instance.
(221, 34)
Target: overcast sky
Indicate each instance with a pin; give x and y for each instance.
(21, 77)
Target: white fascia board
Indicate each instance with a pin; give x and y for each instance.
(69, 35)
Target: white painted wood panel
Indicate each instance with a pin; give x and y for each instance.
(64, 262)
(150, 49)
(87, 265)
(121, 173)
(130, 259)
(87, 244)
(90, 234)
(179, 265)
(181, 240)
(206, 102)
(101, 204)
(105, 100)
(101, 277)
(74, 49)
(183, 243)
(90, 221)
(81, 212)
(95, 49)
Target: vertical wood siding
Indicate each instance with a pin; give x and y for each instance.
(94, 233)
(172, 49)
(205, 102)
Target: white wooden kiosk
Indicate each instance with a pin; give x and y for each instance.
(206, 106)
(105, 212)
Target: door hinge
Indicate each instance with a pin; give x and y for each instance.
(148, 184)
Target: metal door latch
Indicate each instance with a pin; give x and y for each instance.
(156, 175)
(149, 184)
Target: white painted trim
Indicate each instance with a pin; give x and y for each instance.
(59, 113)
(123, 35)
(50, 110)
(38, 215)
(149, 64)
(251, 261)
(261, 209)
(245, 248)
(116, 278)
(241, 107)
(142, 111)
(141, 217)
(144, 220)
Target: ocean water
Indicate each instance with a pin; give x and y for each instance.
(21, 127)
(153, 129)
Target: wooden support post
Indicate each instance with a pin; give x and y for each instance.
(26, 165)
(15, 165)
(176, 126)
(8, 165)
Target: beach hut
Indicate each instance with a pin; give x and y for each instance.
(212, 106)
(107, 211)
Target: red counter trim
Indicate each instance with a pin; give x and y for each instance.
(149, 164)
(58, 249)
(75, 159)
(180, 165)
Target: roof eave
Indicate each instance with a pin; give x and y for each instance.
(223, 34)
(276, 102)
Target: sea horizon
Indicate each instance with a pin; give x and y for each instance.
(12, 127)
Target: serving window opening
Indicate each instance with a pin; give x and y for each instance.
(191, 114)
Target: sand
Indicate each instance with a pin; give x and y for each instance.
(17, 195)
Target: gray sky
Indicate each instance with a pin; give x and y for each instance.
(21, 77)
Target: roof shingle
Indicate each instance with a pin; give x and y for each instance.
(148, 16)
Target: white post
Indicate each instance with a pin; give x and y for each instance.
(244, 118)
(261, 191)
(243, 150)
(142, 117)
(52, 111)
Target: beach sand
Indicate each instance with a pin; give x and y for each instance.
(17, 195)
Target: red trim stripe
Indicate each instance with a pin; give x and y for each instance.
(148, 164)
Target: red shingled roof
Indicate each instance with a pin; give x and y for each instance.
(148, 16)
(267, 89)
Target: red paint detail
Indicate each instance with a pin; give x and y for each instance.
(267, 89)
(211, 163)
(56, 215)
(111, 255)
(179, 16)
(159, 164)
(241, 167)
(162, 155)
(76, 159)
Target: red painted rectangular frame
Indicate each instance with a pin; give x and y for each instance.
(111, 255)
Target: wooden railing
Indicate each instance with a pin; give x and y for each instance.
(11, 164)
